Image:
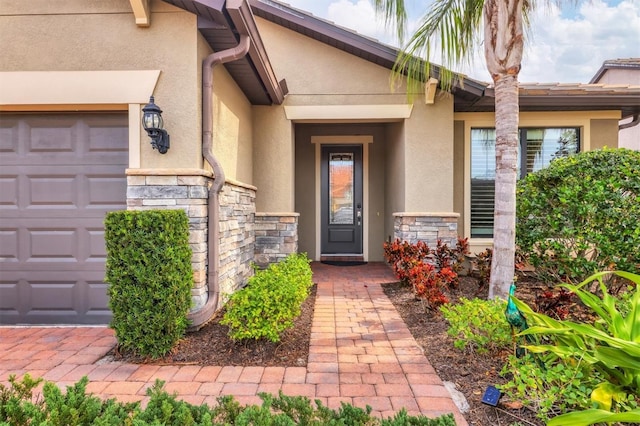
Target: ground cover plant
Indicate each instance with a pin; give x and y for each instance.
(149, 273)
(19, 406)
(580, 215)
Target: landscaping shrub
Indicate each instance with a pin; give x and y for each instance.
(580, 215)
(150, 278)
(478, 325)
(429, 272)
(271, 301)
(608, 348)
(19, 408)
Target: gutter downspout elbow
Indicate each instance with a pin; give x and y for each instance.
(199, 317)
(634, 122)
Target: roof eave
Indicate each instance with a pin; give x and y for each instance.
(349, 41)
(628, 105)
(234, 17)
(242, 17)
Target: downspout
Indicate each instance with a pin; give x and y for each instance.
(634, 122)
(201, 316)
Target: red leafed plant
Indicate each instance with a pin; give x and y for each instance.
(555, 304)
(429, 272)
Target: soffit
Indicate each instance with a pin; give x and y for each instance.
(221, 22)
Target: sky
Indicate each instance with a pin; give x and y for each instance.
(566, 45)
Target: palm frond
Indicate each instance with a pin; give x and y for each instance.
(450, 27)
(395, 15)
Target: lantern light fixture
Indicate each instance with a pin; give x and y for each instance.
(153, 124)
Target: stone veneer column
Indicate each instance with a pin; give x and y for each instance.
(237, 236)
(276, 237)
(185, 189)
(428, 227)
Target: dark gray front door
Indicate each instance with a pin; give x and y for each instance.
(341, 204)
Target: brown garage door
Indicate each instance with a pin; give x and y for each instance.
(59, 175)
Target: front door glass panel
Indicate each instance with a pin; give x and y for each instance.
(341, 186)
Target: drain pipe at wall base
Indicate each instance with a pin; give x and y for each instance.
(199, 317)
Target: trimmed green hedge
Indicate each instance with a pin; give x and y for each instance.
(271, 301)
(581, 215)
(18, 407)
(150, 278)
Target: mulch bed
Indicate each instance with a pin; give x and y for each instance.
(470, 373)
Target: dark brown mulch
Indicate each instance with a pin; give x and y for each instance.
(211, 345)
(471, 373)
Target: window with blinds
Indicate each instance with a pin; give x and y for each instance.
(540, 145)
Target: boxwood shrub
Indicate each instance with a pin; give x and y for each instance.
(581, 215)
(150, 278)
(271, 301)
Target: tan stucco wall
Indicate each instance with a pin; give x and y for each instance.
(232, 128)
(273, 159)
(630, 137)
(323, 74)
(428, 158)
(604, 133)
(76, 35)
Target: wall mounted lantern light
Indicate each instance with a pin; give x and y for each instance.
(152, 123)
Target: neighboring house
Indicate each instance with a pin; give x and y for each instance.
(286, 104)
(623, 72)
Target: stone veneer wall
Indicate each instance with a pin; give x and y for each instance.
(276, 237)
(427, 227)
(245, 236)
(177, 189)
(237, 236)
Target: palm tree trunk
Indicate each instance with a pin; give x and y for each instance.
(503, 41)
(504, 222)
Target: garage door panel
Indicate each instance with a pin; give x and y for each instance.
(50, 191)
(51, 140)
(52, 295)
(9, 300)
(8, 245)
(53, 245)
(106, 191)
(59, 176)
(96, 298)
(97, 251)
(104, 139)
(9, 136)
(9, 192)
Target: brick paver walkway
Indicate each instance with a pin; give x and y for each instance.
(361, 352)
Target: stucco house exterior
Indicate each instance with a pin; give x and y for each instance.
(624, 72)
(285, 136)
